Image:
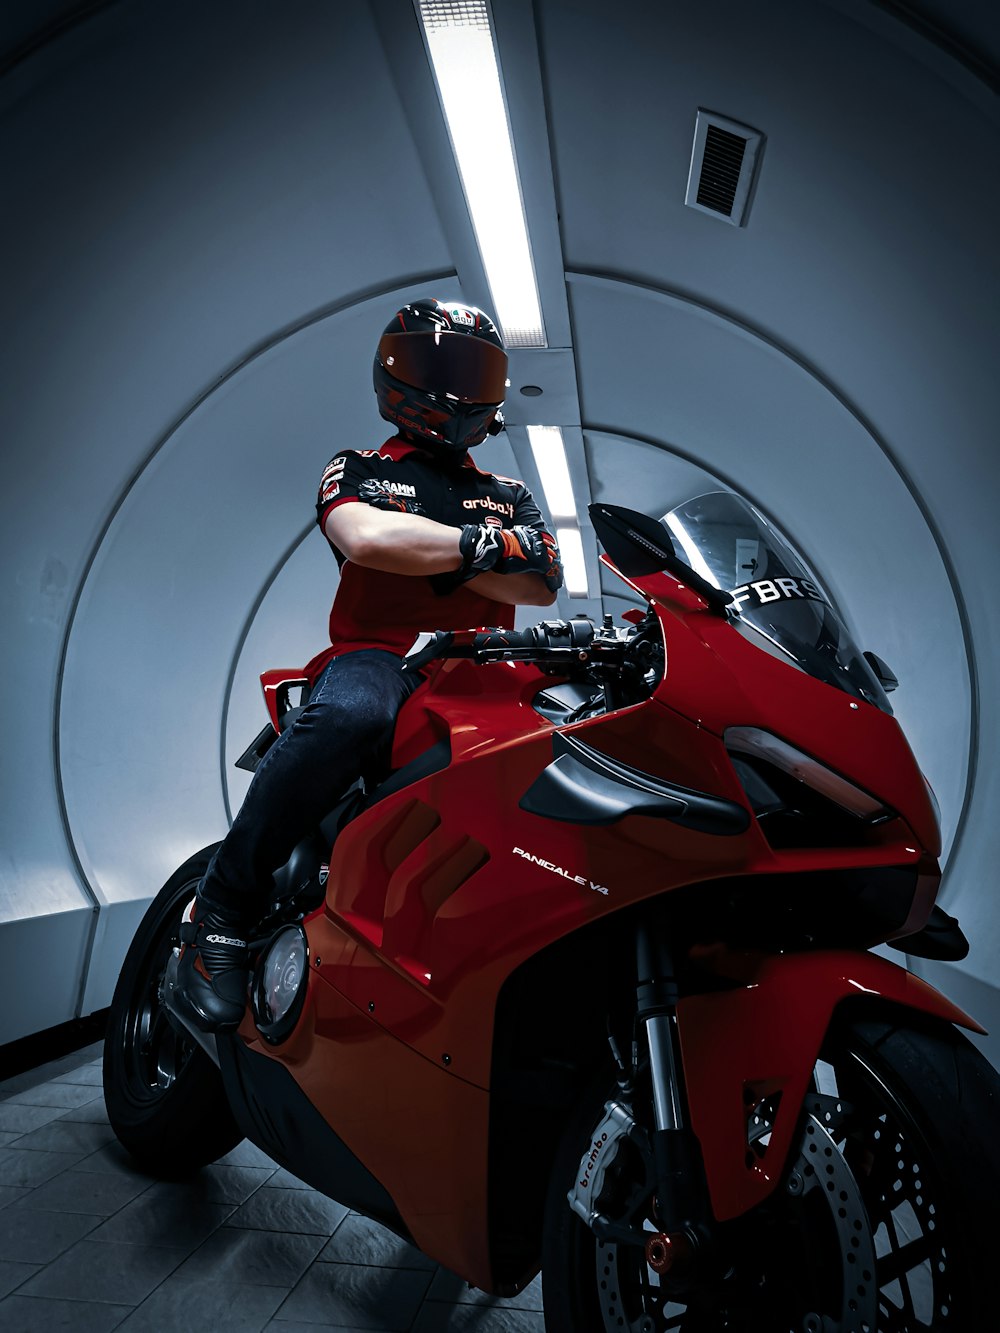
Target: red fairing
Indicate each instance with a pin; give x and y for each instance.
(719, 680)
(744, 1045)
(438, 892)
(414, 1122)
(276, 684)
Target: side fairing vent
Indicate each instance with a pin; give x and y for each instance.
(725, 158)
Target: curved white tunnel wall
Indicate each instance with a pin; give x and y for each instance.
(215, 210)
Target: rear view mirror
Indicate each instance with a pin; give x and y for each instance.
(883, 673)
(640, 545)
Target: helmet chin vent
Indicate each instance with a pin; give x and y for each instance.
(725, 158)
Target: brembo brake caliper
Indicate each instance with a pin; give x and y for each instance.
(596, 1185)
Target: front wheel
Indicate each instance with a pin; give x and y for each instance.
(164, 1096)
(879, 1224)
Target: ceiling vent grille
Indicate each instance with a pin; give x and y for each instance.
(724, 162)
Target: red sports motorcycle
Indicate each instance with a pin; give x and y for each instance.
(583, 982)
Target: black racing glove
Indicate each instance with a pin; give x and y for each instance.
(539, 554)
(520, 550)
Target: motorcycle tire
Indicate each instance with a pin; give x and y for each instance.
(164, 1096)
(920, 1115)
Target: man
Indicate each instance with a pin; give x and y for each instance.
(424, 540)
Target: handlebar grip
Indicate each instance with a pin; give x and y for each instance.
(577, 633)
(499, 640)
(550, 634)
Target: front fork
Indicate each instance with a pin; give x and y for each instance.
(681, 1206)
(671, 1153)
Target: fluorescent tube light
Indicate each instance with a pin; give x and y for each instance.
(460, 44)
(574, 565)
(549, 451)
(553, 471)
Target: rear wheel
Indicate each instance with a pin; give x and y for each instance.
(878, 1226)
(164, 1096)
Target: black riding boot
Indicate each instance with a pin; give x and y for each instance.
(213, 970)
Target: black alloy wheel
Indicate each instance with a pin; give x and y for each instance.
(164, 1096)
(156, 1048)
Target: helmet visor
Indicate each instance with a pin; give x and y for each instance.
(469, 368)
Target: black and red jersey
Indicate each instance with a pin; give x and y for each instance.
(373, 609)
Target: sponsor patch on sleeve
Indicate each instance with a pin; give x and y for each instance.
(333, 471)
(329, 483)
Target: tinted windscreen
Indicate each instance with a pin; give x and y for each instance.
(727, 542)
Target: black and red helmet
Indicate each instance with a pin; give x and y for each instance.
(441, 374)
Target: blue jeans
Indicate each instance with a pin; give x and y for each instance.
(344, 729)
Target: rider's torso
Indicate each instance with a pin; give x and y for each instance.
(373, 609)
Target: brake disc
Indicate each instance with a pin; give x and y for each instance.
(630, 1295)
(820, 1166)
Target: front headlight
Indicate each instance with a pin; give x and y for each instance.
(773, 750)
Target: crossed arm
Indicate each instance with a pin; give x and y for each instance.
(399, 543)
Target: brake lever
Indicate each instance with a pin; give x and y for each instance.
(426, 646)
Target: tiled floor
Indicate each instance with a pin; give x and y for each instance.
(87, 1243)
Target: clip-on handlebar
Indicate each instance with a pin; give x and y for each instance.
(551, 641)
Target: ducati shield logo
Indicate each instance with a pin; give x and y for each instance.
(324, 875)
